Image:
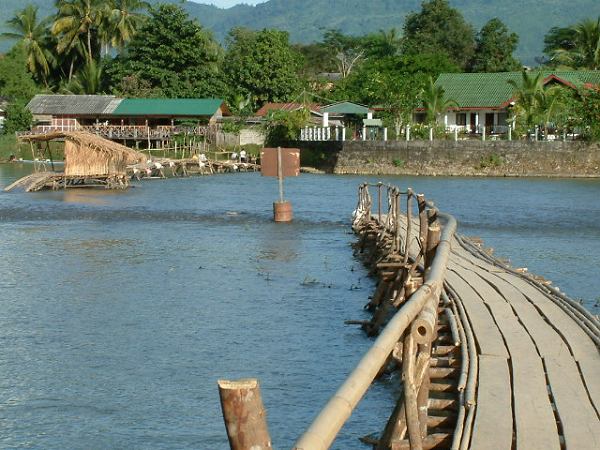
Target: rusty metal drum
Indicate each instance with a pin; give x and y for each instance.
(282, 211)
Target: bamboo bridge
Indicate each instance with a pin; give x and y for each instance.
(489, 356)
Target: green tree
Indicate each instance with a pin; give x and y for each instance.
(494, 48)
(582, 50)
(316, 58)
(18, 118)
(77, 20)
(435, 102)
(381, 44)
(16, 82)
(172, 54)
(372, 82)
(558, 38)
(284, 126)
(589, 113)
(32, 34)
(262, 65)
(438, 28)
(346, 51)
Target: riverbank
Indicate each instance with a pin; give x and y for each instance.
(468, 158)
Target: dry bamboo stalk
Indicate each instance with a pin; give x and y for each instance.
(453, 327)
(244, 415)
(423, 390)
(423, 327)
(408, 226)
(410, 393)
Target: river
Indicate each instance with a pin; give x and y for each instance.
(119, 310)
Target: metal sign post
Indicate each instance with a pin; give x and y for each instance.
(280, 162)
(280, 174)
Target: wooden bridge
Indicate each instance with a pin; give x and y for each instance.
(489, 357)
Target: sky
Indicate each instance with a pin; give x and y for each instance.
(228, 3)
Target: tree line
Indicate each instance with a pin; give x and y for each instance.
(132, 49)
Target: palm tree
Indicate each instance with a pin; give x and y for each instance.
(527, 94)
(33, 35)
(88, 80)
(391, 41)
(126, 19)
(435, 102)
(76, 19)
(584, 50)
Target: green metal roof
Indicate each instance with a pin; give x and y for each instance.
(188, 107)
(345, 108)
(478, 90)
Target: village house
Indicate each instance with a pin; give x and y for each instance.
(485, 99)
(124, 119)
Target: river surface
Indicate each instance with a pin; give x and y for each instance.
(120, 310)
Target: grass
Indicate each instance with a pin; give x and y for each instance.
(9, 146)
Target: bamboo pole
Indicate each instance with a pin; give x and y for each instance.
(410, 393)
(423, 390)
(244, 415)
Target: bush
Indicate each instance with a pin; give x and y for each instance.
(398, 163)
(18, 118)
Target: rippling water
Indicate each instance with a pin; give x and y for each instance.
(120, 310)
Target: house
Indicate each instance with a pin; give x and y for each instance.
(110, 115)
(485, 99)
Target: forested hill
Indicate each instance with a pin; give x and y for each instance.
(306, 19)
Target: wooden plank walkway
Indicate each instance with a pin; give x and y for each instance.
(539, 372)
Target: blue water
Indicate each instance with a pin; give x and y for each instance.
(120, 310)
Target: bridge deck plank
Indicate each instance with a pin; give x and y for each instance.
(590, 370)
(493, 427)
(486, 331)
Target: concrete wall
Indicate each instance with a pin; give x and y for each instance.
(245, 137)
(470, 158)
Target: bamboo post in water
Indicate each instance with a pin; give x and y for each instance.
(244, 415)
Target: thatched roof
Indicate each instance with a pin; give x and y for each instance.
(89, 154)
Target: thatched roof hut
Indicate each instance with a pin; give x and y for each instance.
(87, 154)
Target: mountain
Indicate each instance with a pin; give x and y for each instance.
(306, 19)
